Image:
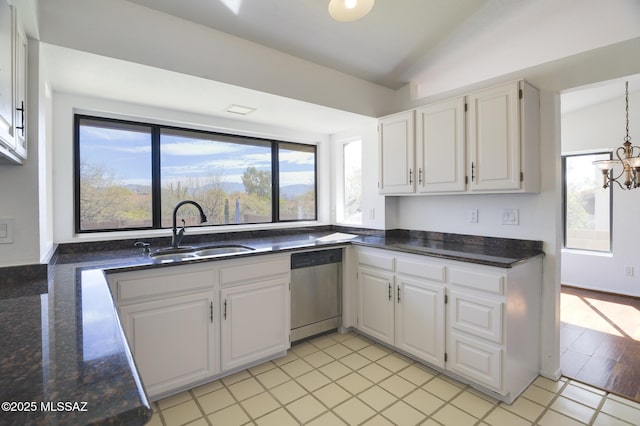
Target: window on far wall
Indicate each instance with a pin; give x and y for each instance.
(352, 182)
(131, 176)
(587, 205)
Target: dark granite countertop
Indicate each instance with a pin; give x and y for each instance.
(64, 352)
(499, 252)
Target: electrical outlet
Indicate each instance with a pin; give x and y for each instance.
(510, 217)
(628, 271)
(372, 214)
(473, 216)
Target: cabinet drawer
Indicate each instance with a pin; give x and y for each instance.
(476, 316)
(479, 361)
(478, 280)
(423, 270)
(257, 268)
(386, 262)
(132, 287)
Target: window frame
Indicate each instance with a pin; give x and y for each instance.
(341, 190)
(156, 200)
(565, 203)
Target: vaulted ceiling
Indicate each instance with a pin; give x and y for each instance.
(383, 47)
(301, 68)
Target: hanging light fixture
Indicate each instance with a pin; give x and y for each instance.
(630, 164)
(349, 10)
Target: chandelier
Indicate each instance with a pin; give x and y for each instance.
(349, 10)
(630, 164)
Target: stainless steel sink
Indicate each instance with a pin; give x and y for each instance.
(186, 253)
(218, 250)
(173, 257)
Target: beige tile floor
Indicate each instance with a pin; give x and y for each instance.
(340, 379)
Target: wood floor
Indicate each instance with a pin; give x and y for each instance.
(600, 340)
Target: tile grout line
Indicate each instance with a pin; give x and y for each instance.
(320, 347)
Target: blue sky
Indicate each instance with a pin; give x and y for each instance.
(128, 155)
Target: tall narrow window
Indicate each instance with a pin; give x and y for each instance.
(113, 181)
(297, 181)
(352, 182)
(587, 204)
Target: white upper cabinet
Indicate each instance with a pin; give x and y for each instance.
(485, 142)
(397, 151)
(440, 146)
(13, 85)
(501, 142)
(6, 75)
(20, 102)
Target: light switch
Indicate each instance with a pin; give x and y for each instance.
(6, 231)
(510, 216)
(473, 216)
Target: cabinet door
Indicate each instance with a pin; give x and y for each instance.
(397, 144)
(6, 75)
(255, 322)
(172, 341)
(475, 359)
(420, 319)
(493, 138)
(20, 105)
(440, 156)
(376, 304)
(481, 317)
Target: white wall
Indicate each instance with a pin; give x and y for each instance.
(127, 31)
(19, 185)
(64, 107)
(601, 127)
(509, 36)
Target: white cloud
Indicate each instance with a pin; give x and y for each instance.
(296, 157)
(198, 148)
(294, 178)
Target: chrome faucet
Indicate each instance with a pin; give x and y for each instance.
(177, 235)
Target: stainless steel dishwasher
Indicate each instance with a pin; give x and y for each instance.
(316, 292)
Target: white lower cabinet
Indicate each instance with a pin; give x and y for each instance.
(172, 340)
(168, 316)
(400, 306)
(420, 319)
(255, 322)
(376, 315)
(255, 307)
(188, 324)
(478, 323)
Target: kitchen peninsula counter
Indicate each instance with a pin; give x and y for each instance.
(64, 358)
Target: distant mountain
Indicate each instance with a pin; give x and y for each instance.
(293, 191)
(231, 187)
(139, 189)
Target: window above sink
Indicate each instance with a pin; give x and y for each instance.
(130, 175)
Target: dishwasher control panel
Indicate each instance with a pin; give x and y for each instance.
(315, 258)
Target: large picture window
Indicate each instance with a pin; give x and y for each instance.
(587, 204)
(131, 175)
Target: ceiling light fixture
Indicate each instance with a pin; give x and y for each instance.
(630, 165)
(239, 109)
(349, 10)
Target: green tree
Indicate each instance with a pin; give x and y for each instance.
(257, 182)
